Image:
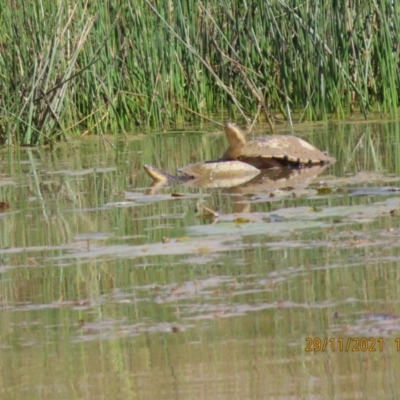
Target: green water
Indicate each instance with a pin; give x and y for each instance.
(110, 289)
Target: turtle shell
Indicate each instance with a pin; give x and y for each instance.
(207, 169)
(272, 151)
(219, 169)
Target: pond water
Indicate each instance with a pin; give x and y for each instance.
(112, 289)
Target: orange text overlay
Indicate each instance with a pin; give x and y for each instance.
(372, 344)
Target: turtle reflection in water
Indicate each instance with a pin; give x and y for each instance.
(243, 160)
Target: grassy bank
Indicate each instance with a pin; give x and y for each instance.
(104, 66)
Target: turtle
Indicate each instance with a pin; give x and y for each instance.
(267, 180)
(219, 169)
(271, 151)
(245, 159)
(161, 176)
(212, 170)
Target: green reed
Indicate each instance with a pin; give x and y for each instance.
(111, 65)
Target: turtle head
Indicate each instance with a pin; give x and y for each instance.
(236, 139)
(157, 174)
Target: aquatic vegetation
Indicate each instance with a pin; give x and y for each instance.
(109, 65)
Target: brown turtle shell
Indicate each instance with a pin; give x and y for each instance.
(272, 151)
(218, 169)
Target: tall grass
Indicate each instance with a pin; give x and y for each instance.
(108, 65)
